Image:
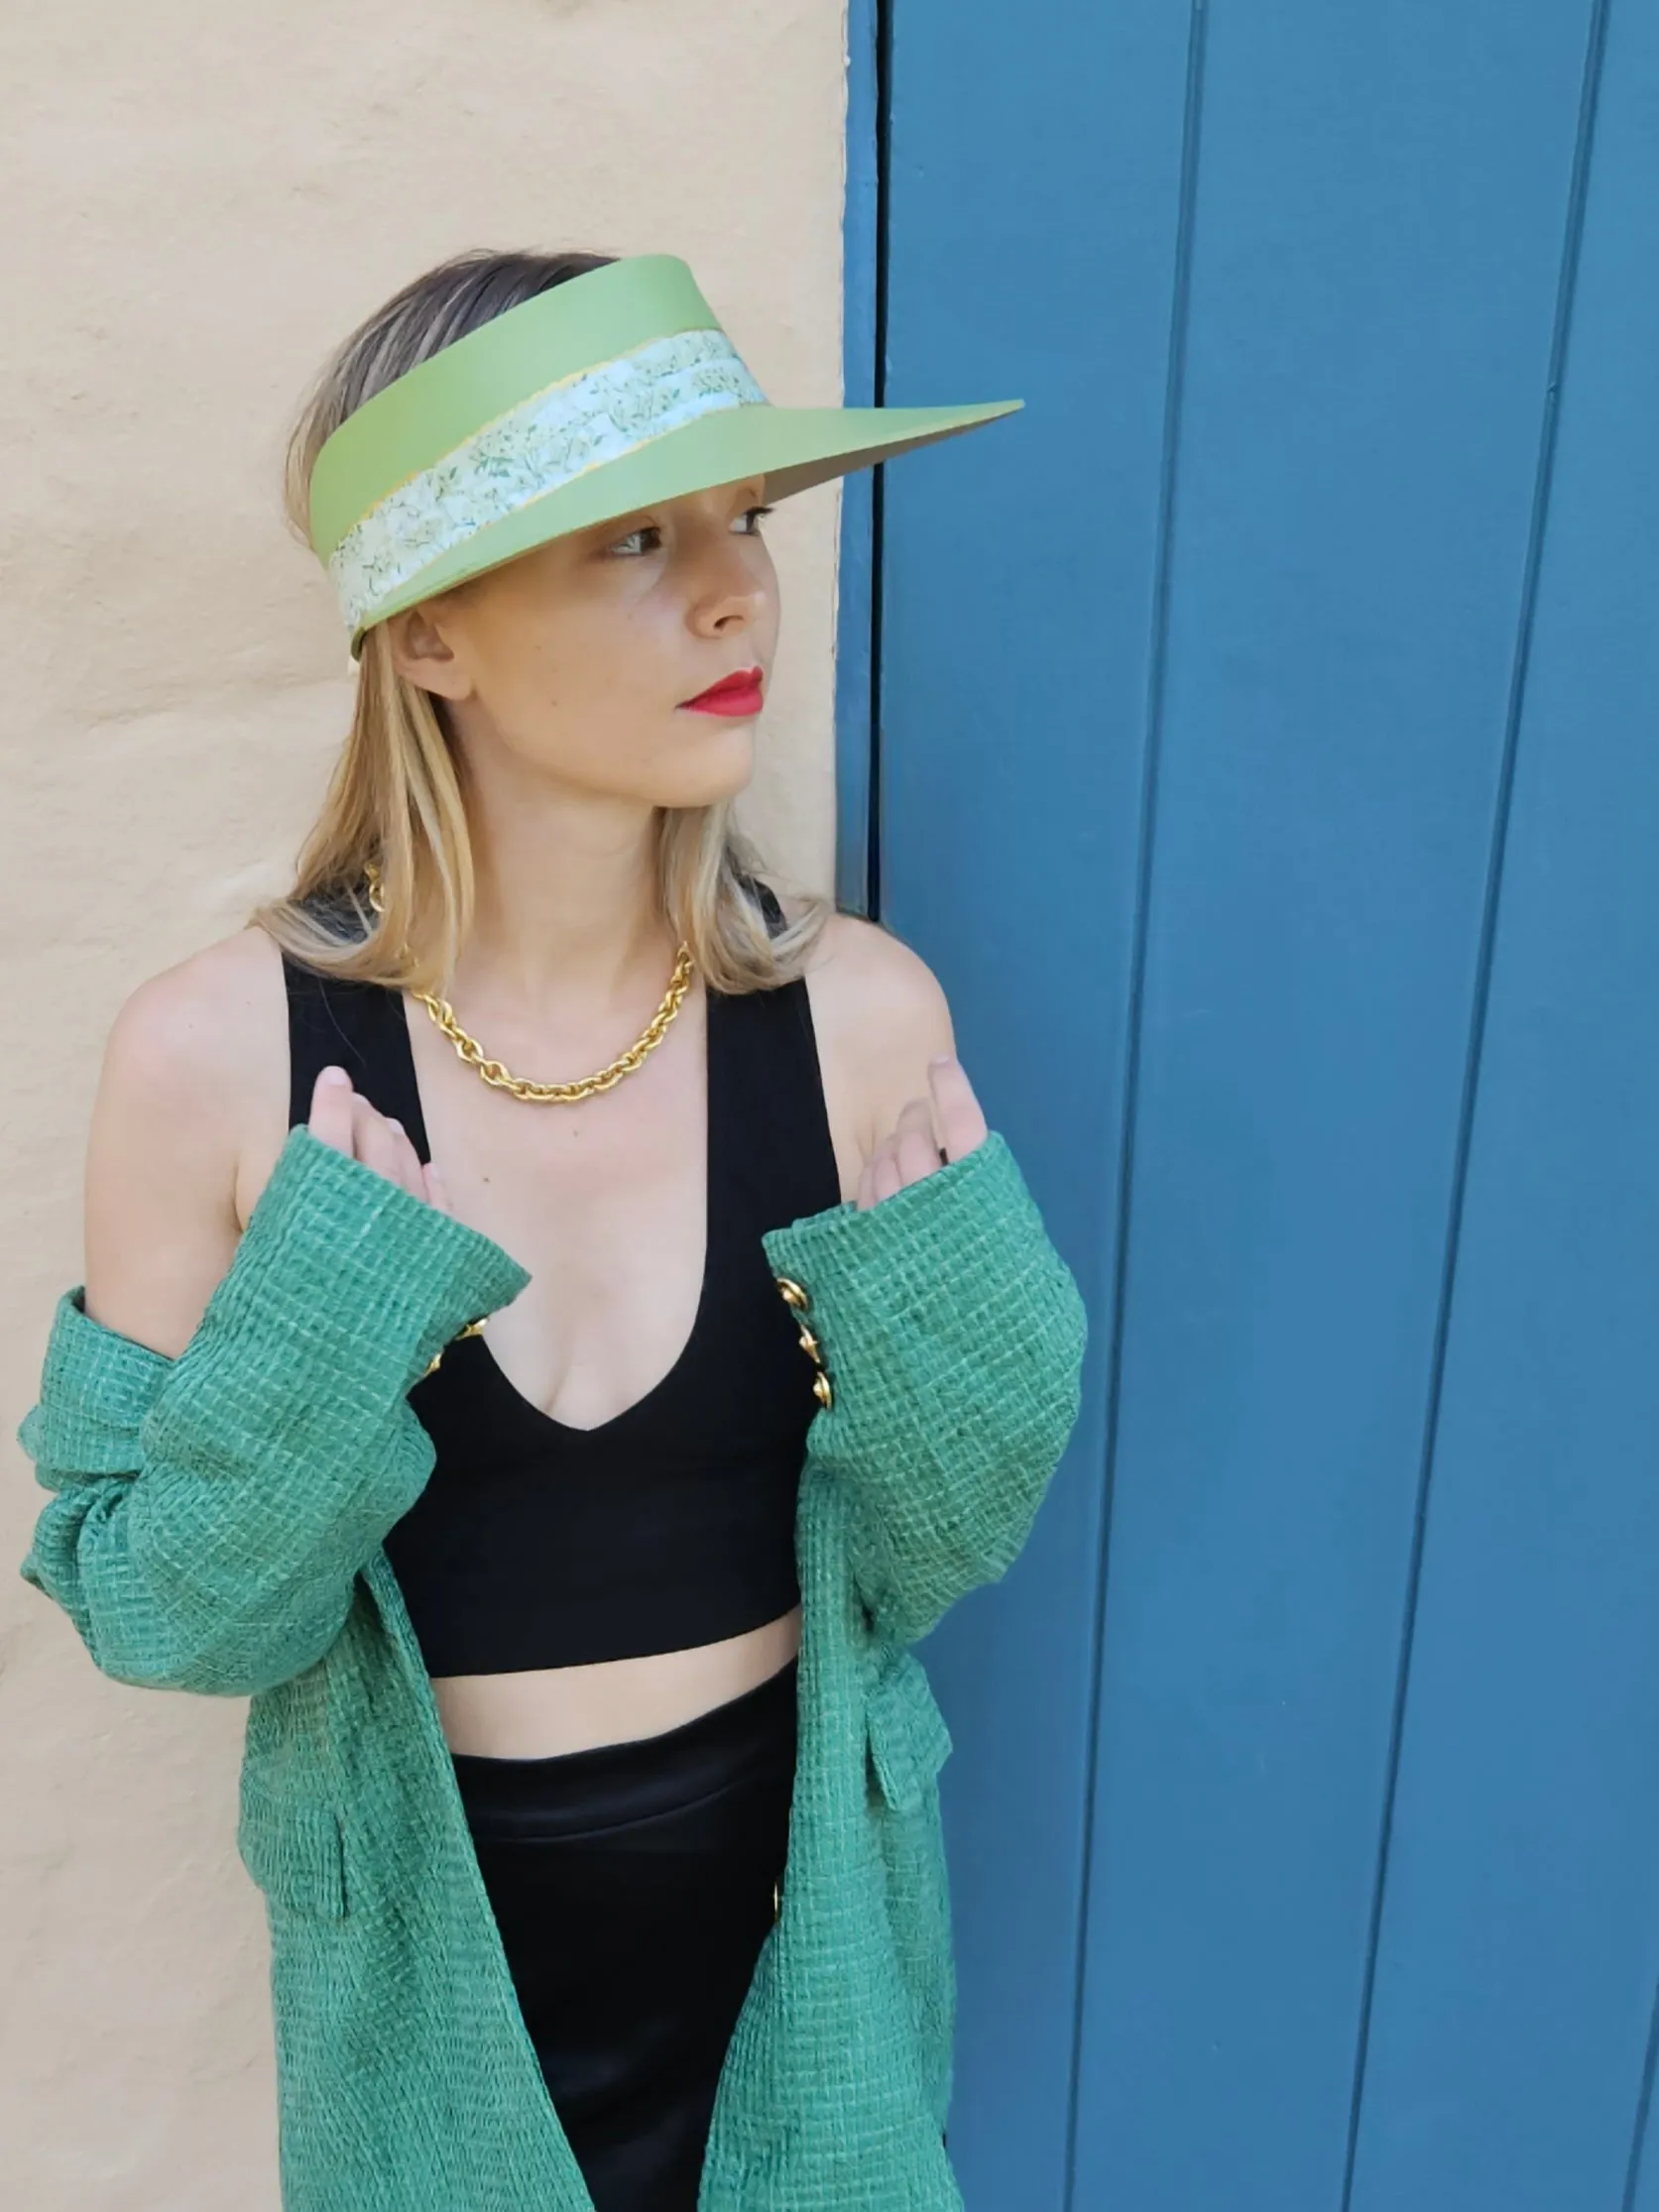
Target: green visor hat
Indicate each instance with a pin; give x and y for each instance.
(608, 393)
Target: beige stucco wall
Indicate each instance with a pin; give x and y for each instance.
(199, 202)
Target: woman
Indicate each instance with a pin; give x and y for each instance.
(529, 976)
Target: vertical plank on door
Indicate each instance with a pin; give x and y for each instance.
(1520, 1936)
(1034, 180)
(857, 663)
(1381, 194)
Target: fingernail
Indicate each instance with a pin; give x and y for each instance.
(391, 1125)
(943, 1060)
(335, 1076)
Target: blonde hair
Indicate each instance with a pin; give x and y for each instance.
(396, 794)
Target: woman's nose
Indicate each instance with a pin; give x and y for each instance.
(732, 594)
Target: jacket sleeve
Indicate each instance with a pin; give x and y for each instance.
(211, 1512)
(952, 1335)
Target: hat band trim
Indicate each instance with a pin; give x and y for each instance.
(548, 441)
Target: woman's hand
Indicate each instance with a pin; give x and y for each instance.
(342, 1118)
(929, 1134)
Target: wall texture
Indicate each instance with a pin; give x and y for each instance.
(201, 204)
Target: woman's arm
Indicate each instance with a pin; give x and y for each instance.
(953, 1336)
(212, 1508)
(950, 1329)
(184, 1067)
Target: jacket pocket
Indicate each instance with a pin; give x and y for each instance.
(908, 1739)
(293, 1849)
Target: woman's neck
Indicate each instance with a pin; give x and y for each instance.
(566, 924)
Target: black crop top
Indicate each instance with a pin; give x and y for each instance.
(534, 1543)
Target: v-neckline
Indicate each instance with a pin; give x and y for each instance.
(478, 1347)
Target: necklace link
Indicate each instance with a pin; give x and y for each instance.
(551, 1093)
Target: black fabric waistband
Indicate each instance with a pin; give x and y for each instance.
(577, 1793)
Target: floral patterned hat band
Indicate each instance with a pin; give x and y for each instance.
(607, 394)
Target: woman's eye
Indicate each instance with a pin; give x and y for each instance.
(634, 542)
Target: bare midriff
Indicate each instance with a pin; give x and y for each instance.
(546, 1710)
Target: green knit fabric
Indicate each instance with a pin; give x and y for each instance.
(216, 1524)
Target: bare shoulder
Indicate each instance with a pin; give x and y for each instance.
(187, 1073)
(880, 1013)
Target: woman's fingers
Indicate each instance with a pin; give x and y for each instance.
(383, 1145)
(904, 1157)
(956, 1111)
(343, 1117)
(332, 1114)
(915, 1146)
(929, 1133)
(406, 1164)
(879, 1179)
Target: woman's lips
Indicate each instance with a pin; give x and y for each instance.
(737, 695)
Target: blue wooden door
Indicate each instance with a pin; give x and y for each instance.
(1259, 735)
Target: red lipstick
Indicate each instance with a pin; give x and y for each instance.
(737, 694)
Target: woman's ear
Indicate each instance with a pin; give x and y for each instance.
(423, 652)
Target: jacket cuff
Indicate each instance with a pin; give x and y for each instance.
(97, 1386)
(981, 1185)
(950, 1335)
(350, 1268)
(365, 1281)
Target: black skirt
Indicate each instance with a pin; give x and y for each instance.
(634, 1884)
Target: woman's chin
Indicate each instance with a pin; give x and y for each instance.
(718, 768)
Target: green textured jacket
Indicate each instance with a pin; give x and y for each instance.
(216, 1526)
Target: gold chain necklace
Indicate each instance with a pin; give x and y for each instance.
(551, 1093)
